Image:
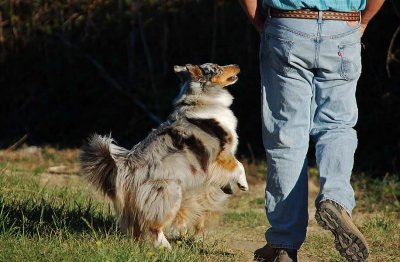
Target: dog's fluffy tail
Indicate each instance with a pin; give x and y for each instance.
(99, 159)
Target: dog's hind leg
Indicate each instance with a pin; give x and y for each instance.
(129, 221)
(158, 202)
(159, 238)
(200, 225)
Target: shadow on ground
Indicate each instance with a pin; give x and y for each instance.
(45, 217)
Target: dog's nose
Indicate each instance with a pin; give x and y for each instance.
(237, 66)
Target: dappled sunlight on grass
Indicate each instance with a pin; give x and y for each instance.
(51, 214)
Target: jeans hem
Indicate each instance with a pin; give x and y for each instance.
(284, 246)
(338, 202)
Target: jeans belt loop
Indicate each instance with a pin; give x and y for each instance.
(320, 15)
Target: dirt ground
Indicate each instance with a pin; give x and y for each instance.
(251, 239)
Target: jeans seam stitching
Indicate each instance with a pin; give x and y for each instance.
(309, 36)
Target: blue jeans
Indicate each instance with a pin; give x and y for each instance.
(309, 72)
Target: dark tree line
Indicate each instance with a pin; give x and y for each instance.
(70, 68)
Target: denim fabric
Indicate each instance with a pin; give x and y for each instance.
(309, 72)
(341, 5)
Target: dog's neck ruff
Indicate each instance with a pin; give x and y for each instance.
(214, 96)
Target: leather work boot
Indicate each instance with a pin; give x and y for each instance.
(270, 254)
(349, 241)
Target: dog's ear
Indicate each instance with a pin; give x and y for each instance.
(195, 72)
(180, 69)
(181, 72)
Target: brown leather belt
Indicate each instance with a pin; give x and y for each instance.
(311, 14)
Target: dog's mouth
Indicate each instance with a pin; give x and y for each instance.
(228, 76)
(233, 79)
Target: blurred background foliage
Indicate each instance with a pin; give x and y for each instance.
(70, 68)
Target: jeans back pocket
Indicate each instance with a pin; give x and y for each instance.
(278, 53)
(350, 54)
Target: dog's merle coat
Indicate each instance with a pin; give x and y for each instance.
(180, 173)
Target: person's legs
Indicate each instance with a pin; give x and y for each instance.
(335, 110)
(309, 71)
(335, 114)
(286, 56)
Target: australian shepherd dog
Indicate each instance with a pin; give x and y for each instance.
(182, 172)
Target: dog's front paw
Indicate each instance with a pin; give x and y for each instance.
(161, 241)
(243, 185)
(241, 178)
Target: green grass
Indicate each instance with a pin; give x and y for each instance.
(378, 194)
(246, 218)
(57, 217)
(53, 224)
(46, 222)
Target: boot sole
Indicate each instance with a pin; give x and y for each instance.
(347, 242)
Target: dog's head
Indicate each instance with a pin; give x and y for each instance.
(208, 74)
(204, 84)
